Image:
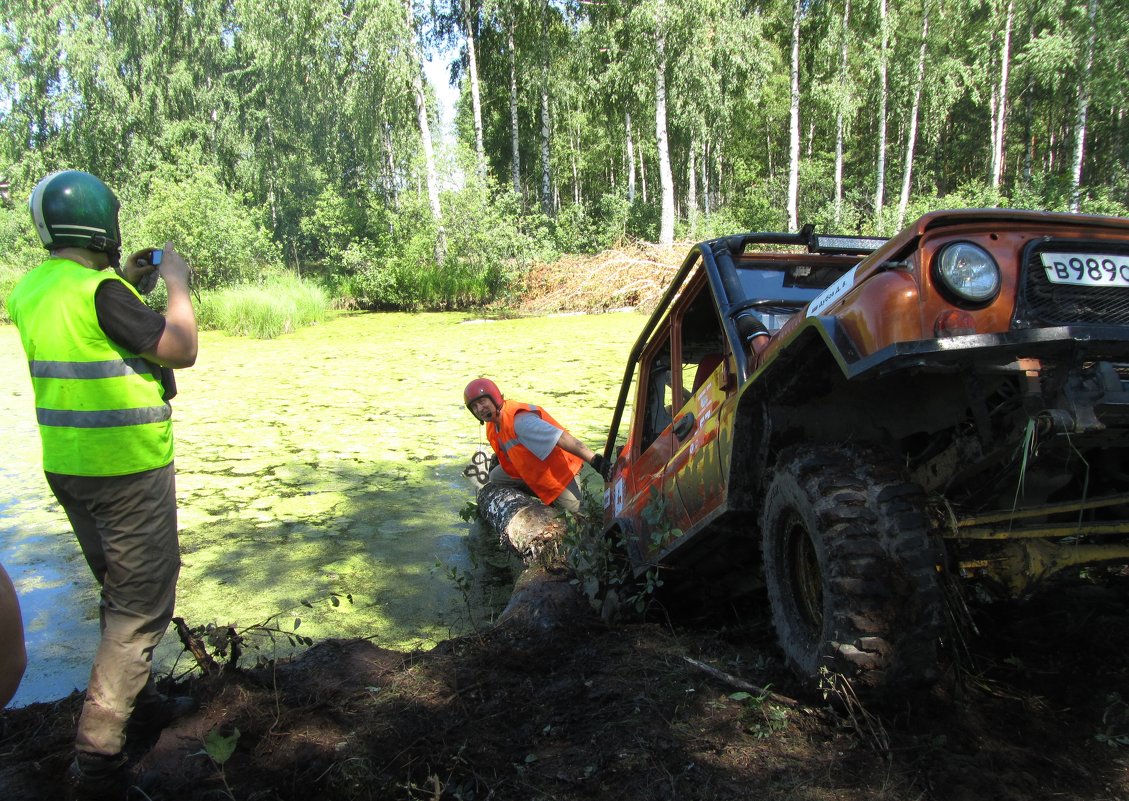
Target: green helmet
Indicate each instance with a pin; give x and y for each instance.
(75, 209)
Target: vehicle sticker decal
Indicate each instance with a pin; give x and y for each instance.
(828, 296)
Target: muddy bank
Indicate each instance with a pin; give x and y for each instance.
(1037, 711)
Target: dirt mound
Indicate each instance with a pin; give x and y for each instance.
(629, 712)
(632, 274)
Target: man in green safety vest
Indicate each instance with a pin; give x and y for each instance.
(100, 362)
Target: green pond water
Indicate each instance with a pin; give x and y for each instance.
(325, 461)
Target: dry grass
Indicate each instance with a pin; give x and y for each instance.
(632, 274)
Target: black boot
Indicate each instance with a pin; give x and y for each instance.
(157, 711)
(97, 777)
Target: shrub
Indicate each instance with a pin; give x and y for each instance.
(643, 220)
(20, 250)
(209, 225)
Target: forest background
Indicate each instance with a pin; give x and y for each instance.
(289, 147)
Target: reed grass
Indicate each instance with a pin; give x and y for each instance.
(264, 311)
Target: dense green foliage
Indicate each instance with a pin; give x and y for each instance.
(269, 136)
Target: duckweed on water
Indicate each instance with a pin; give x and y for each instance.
(325, 461)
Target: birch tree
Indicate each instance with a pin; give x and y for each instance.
(1001, 96)
(666, 175)
(515, 130)
(415, 67)
(840, 112)
(794, 123)
(911, 134)
(546, 127)
(1083, 107)
(469, 17)
(630, 137)
(883, 56)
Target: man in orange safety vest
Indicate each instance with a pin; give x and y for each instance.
(533, 449)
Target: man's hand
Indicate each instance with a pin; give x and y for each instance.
(173, 268)
(179, 343)
(139, 270)
(601, 465)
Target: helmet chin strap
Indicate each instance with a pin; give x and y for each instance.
(108, 246)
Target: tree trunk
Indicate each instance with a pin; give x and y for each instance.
(692, 188)
(543, 595)
(514, 139)
(630, 159)
(707, 186)
(1001, 98)
(794, 125)
(547, 205)
(425, 136)
(880, 189)
(839, 118)
(911, 137)
(666, 177)
(642, 175)
(475, 93)
(1028, 119)
(1083, 110)
(546, 182)
(576, 194)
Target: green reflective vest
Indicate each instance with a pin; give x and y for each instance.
(99, 406)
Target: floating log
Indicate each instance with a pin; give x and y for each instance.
(543, 594)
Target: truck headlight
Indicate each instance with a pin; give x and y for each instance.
(968, 272)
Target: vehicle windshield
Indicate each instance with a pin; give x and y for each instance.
(784, 286)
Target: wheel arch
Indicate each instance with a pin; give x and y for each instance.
(765, 421)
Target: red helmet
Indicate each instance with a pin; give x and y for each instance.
(479, 387)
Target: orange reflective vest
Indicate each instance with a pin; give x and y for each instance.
(546, 478)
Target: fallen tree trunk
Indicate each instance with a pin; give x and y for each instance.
(543, 594)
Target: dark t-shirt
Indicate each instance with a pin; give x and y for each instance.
(131, 324)
(125, 319)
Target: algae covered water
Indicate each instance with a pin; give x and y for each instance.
(313, 468)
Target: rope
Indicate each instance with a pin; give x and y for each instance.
(480, 466)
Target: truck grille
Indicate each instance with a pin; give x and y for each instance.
(1044, 303)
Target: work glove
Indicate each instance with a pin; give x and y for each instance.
(601, 466)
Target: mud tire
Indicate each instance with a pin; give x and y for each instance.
(852, 570)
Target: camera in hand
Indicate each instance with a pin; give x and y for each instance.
(149, 281)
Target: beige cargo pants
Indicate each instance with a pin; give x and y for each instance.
(126, 527)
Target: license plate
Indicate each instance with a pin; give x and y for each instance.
(1086, 269)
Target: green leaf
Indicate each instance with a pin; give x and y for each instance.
(297, 623)
(220, 748)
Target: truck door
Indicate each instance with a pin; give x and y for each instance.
(648, 487)
(704, 370)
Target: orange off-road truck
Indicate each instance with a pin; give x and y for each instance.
(939, 416)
